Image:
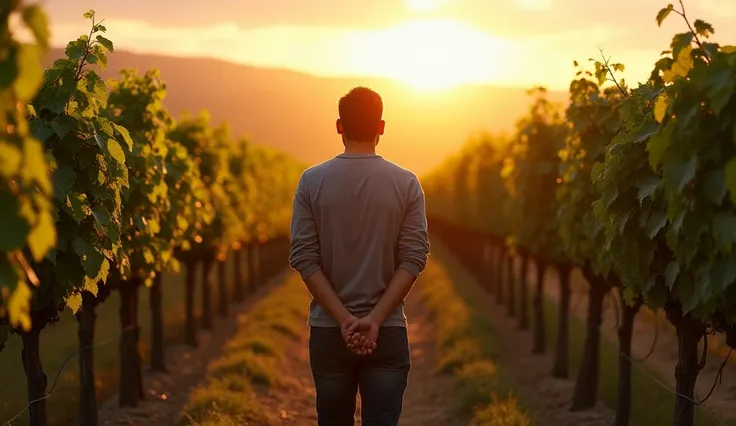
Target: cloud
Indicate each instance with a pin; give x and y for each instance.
(468, 53)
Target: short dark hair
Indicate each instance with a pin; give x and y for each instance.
(360, 113)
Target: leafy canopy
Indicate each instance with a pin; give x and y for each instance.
(136, 103)
(530, 173)
(594, 120)
(27, 231)
(88, 153)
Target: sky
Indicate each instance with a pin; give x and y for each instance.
(430, 44)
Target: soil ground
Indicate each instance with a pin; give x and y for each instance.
(429, 398)
(662, 352)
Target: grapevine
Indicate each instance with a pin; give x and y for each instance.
(27, 231)
(645, 202)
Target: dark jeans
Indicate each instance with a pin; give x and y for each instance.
(338, 375)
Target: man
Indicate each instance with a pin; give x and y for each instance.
(359, 241)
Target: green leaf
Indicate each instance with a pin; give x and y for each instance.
(106, 43)
(74, 302)
(660, 107)
(30, 73)
(62, 126)
(37, 22)
(670, 273)
(10, 160)
(688, 296)
(705, 287)
(714, 186)
(723, 271)
(154, 226)
(723, 227)
(115, 151)
(658, 144)
(655, 223)
(13, 228)
(703, 28)
(35, 167)
(8, 276)
(42, 236)
(609, 195)
(102, 216)
(8, 71)
(663, 13)
(647, 131)
(681, 173)
(78, 206)
(91, 257)
(680, 42)
(63, 181)
(125, 134)
(647, 185)
(76, 49)
(91, 284)
(41, 130)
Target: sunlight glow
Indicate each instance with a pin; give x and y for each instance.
(422, 5)
(434, 55)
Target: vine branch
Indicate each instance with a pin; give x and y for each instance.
(692, 31)
(610, 72)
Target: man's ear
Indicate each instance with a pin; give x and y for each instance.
(338, 126)
(381, 127)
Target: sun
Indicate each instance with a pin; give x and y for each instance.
(434, 55)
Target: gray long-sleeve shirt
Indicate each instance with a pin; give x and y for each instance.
(358, 217)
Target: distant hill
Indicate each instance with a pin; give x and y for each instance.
(296, 112)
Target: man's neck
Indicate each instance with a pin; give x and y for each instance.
(352, 147)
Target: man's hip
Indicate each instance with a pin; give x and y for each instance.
(338, 373)
(318, 317)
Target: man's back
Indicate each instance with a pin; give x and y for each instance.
(368, 220)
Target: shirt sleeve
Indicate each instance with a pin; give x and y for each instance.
(304, 253)
(413, 236)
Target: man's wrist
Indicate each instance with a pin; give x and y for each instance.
(341, 319)
(376, 317)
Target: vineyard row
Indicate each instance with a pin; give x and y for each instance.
(633, 186)
(102, 190)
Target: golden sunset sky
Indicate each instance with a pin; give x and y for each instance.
(427, 43)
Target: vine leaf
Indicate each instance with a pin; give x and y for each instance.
(663, 13)
(724, 230)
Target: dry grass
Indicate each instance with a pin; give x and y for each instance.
(464, 343)
(249, 360)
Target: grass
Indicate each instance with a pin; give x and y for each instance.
(650, 402)
(59, 340)
(466, 349)
(249, 361)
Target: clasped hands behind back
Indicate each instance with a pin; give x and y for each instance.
(360, 334)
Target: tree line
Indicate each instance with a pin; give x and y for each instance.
(102, 190)
(635, 186)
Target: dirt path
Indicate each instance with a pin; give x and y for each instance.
(166, 394)
(546, 397)
(664, 356)
(427, 402)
